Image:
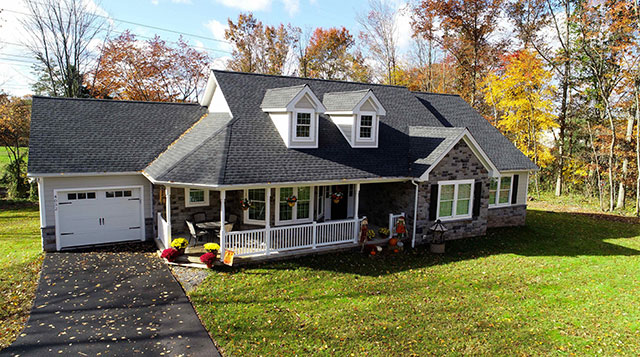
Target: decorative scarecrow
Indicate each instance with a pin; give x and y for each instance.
(401, 228)
(364, 228)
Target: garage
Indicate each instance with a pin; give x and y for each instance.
(91, 216)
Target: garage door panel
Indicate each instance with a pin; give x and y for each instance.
(112, 216)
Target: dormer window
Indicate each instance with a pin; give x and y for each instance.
(303, 125)
(366, 127)
(357, 115)
(294, 112)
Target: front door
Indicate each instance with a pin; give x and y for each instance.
(339, 209)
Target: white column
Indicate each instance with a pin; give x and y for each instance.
(167, 196)
(267, 219)
(223, 196)
(355, 214)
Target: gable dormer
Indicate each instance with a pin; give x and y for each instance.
(357, 115)
(295, 113)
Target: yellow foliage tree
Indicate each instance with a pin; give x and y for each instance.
(522, 94)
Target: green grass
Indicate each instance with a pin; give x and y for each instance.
(20, 260)
(579, 202)
(566, 283)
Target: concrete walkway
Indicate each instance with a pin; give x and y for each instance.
(113, 304)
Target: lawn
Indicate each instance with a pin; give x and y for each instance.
(566, 283)
(21, 259)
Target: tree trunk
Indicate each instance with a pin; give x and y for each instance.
(595, 158)
(562, 122)
(625, 164)
(637, 100)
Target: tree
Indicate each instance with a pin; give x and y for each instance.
(463, 29)
(15, 120)
(379, 35)
(58, 34)
(328, 56)
(606, 36)
(523, 94)
(258, 48)
(152, 70)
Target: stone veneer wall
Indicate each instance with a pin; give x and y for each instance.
(510, 216)
(377, 200)
(459, 164)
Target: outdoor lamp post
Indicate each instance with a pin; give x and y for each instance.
(437, 242)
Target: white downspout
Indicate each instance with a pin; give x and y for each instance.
(223, 243)
(415, 215)
(167, 193)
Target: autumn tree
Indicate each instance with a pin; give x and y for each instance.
(58, 34)
(605, 39)
(329, 55)
(259, 48)
(463, 29)
(523, 95)
(380, 37)
(152, 70)
(15, 120)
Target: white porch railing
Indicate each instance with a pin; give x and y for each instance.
(393, 218)
(163, 231)
(280, 239)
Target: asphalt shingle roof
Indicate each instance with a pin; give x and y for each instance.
(453, 111)
(182, 143)
(91, 135)
(343, 101)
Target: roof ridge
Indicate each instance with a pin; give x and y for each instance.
(434, 93)
(114, 100)
(308, 79)
(348, 91)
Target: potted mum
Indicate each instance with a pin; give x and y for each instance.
(180, 244)
(384, 233)
(212, 248)
(208, 258)
(170, 254)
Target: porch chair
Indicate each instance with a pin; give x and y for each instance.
(199, 217)
(193, 234)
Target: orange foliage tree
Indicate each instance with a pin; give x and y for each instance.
(150, 70)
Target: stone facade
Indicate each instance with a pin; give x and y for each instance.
(377, 200)
(48, 238)
(510, 216)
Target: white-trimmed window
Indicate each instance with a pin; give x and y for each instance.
(304, 125)
(455, 199)
(256, 213)
(301, 212)
(500, 191)
(366, 126)
(196, 197)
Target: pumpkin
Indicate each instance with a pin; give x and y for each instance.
(373, 252)
(393, 241)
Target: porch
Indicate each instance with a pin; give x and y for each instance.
(269, 227)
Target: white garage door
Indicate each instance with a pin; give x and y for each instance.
(98, 216)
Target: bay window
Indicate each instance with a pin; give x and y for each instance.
(500, 191)
(301, 212)
(455, 199)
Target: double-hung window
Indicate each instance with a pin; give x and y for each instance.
(455, 199)
(366, 127)
(196, 197)
(500, 191)
(303, 125)
(256, 213)
(301, 211)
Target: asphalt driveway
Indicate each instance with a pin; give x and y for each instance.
(110, 303)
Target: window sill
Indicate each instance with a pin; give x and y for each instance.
(456, 218)
(197, 204)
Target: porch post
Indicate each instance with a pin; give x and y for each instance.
(167, 196)
(267, 220)
(355, 214)
(223, 245)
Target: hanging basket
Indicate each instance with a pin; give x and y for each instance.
(336, 197)
(292, 201)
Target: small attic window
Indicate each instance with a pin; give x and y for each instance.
(303, 125)
(366, 126)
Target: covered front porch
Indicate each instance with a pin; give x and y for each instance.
(264, 222)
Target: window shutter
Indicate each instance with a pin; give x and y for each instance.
(433, 205)
(514, 191)
(477, 198)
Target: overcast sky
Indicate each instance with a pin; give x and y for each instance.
(205, 18)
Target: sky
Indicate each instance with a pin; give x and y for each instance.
(203, 20)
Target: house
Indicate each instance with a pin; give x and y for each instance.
(312, 157)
